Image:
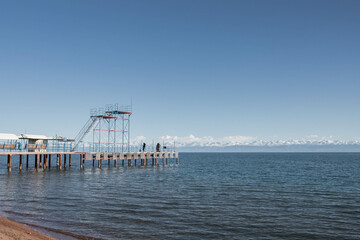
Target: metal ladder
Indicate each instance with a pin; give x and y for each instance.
(85, 130)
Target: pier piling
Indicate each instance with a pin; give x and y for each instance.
(81, 161)
(37, 162)
(9, 162)
(20, 162)
(43, 159)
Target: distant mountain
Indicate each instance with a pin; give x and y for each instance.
(313, 143)
(275, 148)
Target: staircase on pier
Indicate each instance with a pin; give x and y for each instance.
(84, 131)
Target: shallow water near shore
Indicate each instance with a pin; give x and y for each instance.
(206, 196)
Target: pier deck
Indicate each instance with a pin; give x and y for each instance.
(43, 159)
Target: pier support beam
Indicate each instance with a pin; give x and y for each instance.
(20, 162)
(60, 161)
(37, 162)
(45, 161)
(9, 163)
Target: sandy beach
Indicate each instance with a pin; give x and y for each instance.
(13, 230)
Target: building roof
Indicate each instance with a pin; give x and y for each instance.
(8, 136)
(32, 136)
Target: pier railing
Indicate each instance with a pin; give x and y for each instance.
(57, 146)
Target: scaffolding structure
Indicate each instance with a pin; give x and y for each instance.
(110, 129)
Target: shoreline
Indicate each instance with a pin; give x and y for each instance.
(13, 230)
(10, 229)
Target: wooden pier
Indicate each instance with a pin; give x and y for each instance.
(63, 159)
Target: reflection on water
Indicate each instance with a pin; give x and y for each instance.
(206, 196)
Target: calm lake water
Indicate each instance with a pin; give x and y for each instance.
(206, 196)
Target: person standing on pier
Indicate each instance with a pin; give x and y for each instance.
(158, 147)
(143, 147)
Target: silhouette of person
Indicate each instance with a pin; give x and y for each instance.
(158, 147)
(143, 147)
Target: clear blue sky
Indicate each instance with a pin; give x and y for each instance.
(210, 68)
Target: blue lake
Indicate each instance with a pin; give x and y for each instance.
(206, 196)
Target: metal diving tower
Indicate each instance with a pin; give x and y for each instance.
(110, 129)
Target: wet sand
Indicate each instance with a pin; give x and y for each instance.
(13, 230)
(16, 230)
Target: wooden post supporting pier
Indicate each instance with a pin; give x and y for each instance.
(43, 159)
(37, 162)
(20, 162)
(60, 161)
(9, 162)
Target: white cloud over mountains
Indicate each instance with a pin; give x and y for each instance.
(230, 141)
